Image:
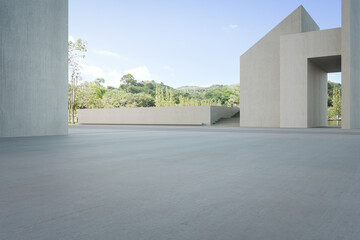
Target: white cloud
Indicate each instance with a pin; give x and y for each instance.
(93, 71)
(140, 73)
(233, 26)
(90, 73)
(114, 73)
(106, 53)
(112, 76)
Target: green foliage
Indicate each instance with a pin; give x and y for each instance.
(116, 98)
(89, 95)
(159, 97)
(215, 95)
(113, 98)
(165, 97)
(132, 93)
(331, 113)
(99, 81)
(219, 93)
(334, 100)
(128, 80)
(76, 51)
(331, 87)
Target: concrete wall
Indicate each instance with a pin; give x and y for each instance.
(197, 115)
(350, 64)
(33, 67)
(303, 84)
(260, 72)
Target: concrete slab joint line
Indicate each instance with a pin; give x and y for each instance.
(283, 77)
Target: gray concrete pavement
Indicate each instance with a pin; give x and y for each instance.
(127, 182)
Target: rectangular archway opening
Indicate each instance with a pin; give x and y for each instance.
(334, 99)
(324, 91)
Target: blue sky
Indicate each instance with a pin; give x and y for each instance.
(180, 42)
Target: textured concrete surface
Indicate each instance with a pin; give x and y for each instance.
(350, 64)
(33, 67)
(289, 89)
(113, 182)
(189, 115)
(303, 83)
(260, 72)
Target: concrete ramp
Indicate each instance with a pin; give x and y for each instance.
(233, 121)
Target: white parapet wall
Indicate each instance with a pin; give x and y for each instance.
(196, 115)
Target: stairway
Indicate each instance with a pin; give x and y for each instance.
(234, 121)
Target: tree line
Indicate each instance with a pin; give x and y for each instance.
(134, 93)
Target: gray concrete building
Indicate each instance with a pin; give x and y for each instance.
(283, 77)
(33, 67)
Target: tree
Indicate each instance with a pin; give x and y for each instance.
(220, 93)
(128, 80)
(159, 97)
(331, 87)
(89, 95)
(336, 101)
(143, 100)
(182, 100)
(171, 100)
(112, 98)
(76, 52)
(99, 81)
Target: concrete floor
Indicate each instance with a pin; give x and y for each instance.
(126, 182)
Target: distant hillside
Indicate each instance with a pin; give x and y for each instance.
(227, 95)
(134, 93)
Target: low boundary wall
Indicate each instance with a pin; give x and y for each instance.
(195, 115)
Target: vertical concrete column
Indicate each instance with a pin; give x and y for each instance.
(350, 64)
(33, 67)
(305, 59)
(316, 96)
